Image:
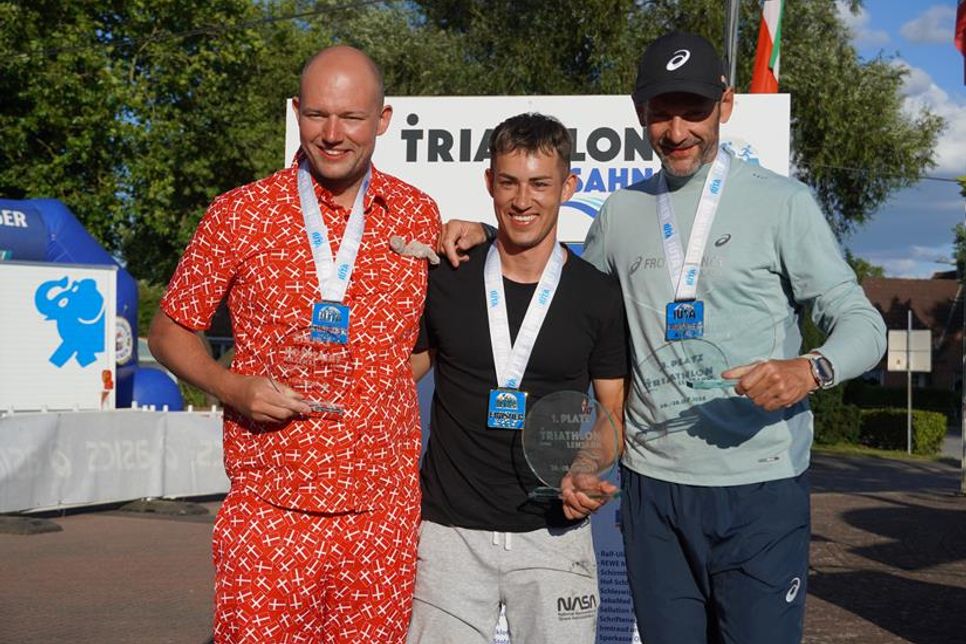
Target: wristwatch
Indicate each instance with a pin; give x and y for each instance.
(822, 369)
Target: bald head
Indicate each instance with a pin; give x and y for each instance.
(340, 110)
(351, 64)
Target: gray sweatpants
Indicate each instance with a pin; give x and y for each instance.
(545, 579)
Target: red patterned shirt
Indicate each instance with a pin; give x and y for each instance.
(252, 244)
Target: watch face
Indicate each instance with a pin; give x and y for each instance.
(823, 370)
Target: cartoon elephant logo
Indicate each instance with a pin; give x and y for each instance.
(79, 313)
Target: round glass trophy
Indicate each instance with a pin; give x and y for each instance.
(320, 372)
(680, 388)
(569, 432)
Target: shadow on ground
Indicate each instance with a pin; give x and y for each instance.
(889, 548)
(919, 537)
(913, 610)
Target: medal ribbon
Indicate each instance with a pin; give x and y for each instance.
(684, 270)
(333, 276)
(511, 360)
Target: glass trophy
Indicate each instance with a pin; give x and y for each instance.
(677, 380)
(569, 432)
(680, 387)
(320, 372)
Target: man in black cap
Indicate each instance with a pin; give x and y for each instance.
(716, 496)
(715, 504)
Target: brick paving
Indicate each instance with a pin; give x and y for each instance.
(888, 557)
(888, 565)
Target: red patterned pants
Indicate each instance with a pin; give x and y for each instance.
(287, 576)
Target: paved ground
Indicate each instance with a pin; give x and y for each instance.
(888, 552)
(888, 565)
(953, 444)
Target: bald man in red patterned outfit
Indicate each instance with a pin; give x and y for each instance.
(316, 540)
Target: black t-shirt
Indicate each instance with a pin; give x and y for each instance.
(476, 477)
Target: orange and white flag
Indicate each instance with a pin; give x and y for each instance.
(764, 76)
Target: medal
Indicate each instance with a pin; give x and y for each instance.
(507, 408)
(330, 322)
(684, 320)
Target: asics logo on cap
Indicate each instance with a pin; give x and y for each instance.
(680, 57)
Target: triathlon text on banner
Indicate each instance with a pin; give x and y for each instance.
(440, 145)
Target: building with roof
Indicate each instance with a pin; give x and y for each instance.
(937, 305)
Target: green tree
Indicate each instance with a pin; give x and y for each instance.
(136, 114)
(534, 47)
(851, 140)
(127, 115)
(59, 126)
(862, 267)
(959, 248)
(197, 127)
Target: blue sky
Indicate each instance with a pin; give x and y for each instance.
(912, 230)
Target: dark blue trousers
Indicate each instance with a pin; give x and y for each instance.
(717, 564)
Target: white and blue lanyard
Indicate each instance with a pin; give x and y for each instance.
(685, 270)
(510, 359)
(334, 275)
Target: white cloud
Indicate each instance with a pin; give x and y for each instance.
(920, 92)
(915, 262)
(907, 267)
(858, 26)
(929, 253)
(917, 81)
(904, 267)
(935, 25)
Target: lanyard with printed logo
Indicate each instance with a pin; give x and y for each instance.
(685, 315)
(507, 406)
(330, 317)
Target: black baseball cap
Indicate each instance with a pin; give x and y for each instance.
(679, 62)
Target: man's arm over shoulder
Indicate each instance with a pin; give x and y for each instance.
(819, 275)
(459, 237)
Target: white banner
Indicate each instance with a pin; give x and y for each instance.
(66, 459)
(439, 144)
(57, 336)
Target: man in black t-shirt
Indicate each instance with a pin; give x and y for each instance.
(554, 323)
